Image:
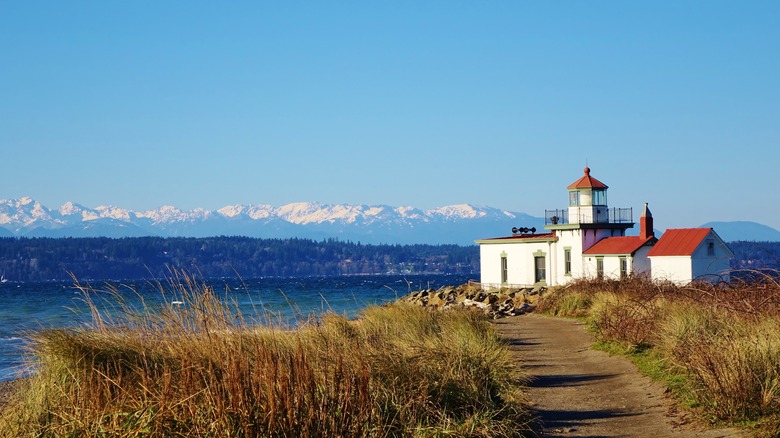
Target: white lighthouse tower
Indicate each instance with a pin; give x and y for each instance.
(587, 220)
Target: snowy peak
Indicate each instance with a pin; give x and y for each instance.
(468, 211)
(18, 214)
(368, 223)
(255, 212)
(314, 213)
(171, 214)
(114, 213)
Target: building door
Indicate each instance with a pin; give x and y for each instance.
(623, 267)
(600, 267)
(539, 266)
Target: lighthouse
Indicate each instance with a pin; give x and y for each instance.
(587, 239)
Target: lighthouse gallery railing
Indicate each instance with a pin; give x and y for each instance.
(614, 216)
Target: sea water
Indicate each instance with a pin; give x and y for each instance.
(29, 307)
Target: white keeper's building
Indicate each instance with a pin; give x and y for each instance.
(588, 240)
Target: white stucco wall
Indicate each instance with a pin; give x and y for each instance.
(611, 266)
(640, 262)
(677, 269)
(520, 262)
(711, 268)
(490, 264)
(571, 239)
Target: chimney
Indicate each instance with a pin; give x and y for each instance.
(646, 224)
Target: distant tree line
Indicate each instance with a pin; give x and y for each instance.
(44, 259)
(755, 255)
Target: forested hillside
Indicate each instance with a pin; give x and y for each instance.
(755, 255)
(42, 259)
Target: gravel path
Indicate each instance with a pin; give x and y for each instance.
(580, 392)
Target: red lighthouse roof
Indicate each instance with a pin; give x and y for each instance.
(587, 182)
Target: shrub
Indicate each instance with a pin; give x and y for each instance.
(735, 363)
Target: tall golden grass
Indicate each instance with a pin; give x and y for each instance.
(725, 339)
(201, 369)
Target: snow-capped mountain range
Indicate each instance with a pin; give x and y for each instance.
(460, 224)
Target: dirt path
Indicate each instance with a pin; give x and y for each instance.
(580, 392)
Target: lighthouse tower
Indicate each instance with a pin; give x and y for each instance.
(588, 200)
(588, 209)
(587, 220)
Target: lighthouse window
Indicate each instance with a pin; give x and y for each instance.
(599, 197)
(574, 199)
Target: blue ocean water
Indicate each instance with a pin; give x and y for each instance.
(27, 307)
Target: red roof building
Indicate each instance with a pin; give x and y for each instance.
(684, 255)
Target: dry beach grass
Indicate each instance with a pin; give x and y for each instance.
(6, 390)
(199, 370)
(716, 347)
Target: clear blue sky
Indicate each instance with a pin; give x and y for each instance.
(423, 103)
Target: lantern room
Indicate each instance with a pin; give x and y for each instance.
(588, 200)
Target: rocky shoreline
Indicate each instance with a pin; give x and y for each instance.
(498, 304)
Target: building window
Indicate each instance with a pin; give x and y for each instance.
(567, 261)
(623, 268)
(599, 267)
(711, 249)
(504, 270)
(539, 264)
(574, 199)
(599, 197)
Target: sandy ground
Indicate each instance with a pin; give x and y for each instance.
(580, 392)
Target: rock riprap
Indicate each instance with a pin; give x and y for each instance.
(497, 303)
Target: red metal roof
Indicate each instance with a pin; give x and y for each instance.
(679, 242)
(587, 182)
(618, 245)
